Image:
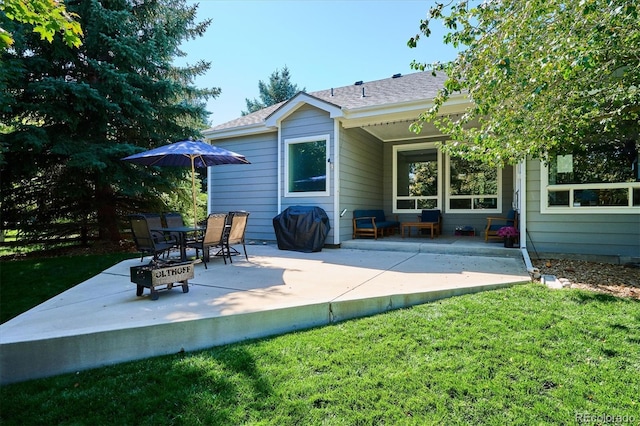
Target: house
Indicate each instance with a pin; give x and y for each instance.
(349, 148)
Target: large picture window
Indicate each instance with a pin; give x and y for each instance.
(417, 174)
(600, 176)
(473, 186)
(307, 166)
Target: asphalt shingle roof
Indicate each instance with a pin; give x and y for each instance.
(389, 91)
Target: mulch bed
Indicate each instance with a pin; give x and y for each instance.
(616, 280)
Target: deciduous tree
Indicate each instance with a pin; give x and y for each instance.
(544, 75)
(47, 17)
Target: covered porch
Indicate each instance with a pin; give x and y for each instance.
(443, 244)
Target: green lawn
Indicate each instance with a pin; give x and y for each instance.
(27, 283)
(524, 355)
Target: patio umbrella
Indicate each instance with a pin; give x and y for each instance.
(187, 153)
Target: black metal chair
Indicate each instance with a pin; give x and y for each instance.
(235, 234)
(173, 220)
(213, 236)
(148, 241)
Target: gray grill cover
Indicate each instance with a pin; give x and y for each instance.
(301, 228)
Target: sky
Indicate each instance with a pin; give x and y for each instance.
(324, 43)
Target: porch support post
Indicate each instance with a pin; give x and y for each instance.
(521, 187)
(336, 182)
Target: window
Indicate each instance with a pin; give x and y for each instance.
(473, 186)
(417, 177)
(306, 166)
(601, 176)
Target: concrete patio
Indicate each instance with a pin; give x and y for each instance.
(101, 321)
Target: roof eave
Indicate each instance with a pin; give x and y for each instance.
(251, 129)
(357, 117)
(302, 98)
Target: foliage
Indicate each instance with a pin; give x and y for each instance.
(69, 116)
(543, 75)
(47, 17)
(279, 89)
(308, 166)
(518, 356)
(599, 163)
(472, 178)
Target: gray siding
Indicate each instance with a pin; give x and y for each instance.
(615, 235)
(251, 187)
(361, 179)
(309, 121)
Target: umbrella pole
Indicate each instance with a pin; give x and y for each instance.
(193, 192)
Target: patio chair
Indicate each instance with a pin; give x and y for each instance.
(494, 223)
(147, 241)
(173, 220)
(434, 217)
(154, 221)
(235, 234)
(212, 237)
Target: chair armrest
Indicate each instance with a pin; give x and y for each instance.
(371, 218)
(158, 236)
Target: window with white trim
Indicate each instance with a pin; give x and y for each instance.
(474, 187)
(307, 168)
(601, 177)
(417, 174)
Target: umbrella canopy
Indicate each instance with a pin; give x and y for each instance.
(187, 154)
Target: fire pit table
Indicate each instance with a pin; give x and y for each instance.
(161, 277)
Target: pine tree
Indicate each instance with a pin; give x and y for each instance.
(69, 115)
(278, 90)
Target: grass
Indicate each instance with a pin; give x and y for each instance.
(523, 355)
(27, 283)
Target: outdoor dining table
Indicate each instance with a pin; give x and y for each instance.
(182, 231)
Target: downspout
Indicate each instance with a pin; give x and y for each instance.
(336, 182)
(209, 186)
(521, 180)
(279, 173)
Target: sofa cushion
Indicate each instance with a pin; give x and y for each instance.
(381, 220)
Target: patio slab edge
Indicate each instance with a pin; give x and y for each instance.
(27, 360)
(33, 359)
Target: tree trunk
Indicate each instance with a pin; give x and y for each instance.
(107, 215)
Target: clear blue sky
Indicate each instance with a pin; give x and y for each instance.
(324, 44)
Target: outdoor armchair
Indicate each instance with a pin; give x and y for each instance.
(494, 223)
(434, 217)
(212, 237)
(373, 223)
(235, 235)
(173, 220)
(147, 241)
